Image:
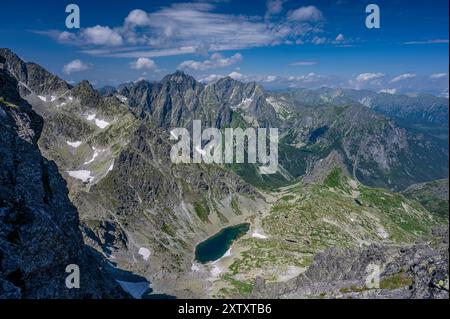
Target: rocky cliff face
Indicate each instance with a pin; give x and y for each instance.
(39, 234)
(32, 77)
(376, 150)
(178, 99)
(172, 102)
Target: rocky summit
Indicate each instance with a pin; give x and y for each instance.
(87, 179)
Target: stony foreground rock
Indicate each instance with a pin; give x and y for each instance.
(39, 234)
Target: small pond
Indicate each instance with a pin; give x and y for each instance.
(217, 245)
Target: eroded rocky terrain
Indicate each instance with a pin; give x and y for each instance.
(415, 271)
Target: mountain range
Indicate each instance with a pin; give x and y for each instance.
(355, 169)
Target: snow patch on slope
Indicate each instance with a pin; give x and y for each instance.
(144, 252)
(51, 98)
(122, 98)
(100, 123)
(82, 175)
(94, 156)
(74, 144)
(258, 235)
(110, 168)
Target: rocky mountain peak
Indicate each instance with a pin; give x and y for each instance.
(182, 81)
(225, 87)
(32, 77)
(87, 94)
(84, 85)
(226, 81)
(179, 77)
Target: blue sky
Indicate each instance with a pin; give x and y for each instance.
(279, 43)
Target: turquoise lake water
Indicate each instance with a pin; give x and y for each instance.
(216, 246)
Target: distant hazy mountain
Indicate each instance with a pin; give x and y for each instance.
(417, 109)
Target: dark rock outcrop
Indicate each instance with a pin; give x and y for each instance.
(39, 227)
(32, 77)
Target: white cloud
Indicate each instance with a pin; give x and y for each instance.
(305, 14)
(132, 53)
(143, 63)
(139, 79)
(432, 41)
(66, 36)
(236, 75)
(211, 78)
(75, 66)
(270, 78)
(438, 76)
(100, 35)
(274, 7)
(303, 63)
(340, 37)
(376, 82)
(363, 77)
(319, 40)
(241, 77)
(199, 26)
(307, 78)
(97, 35)
(403, 77)
(137, 17)
(401, 84)
(215, 61)
(388, 91)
